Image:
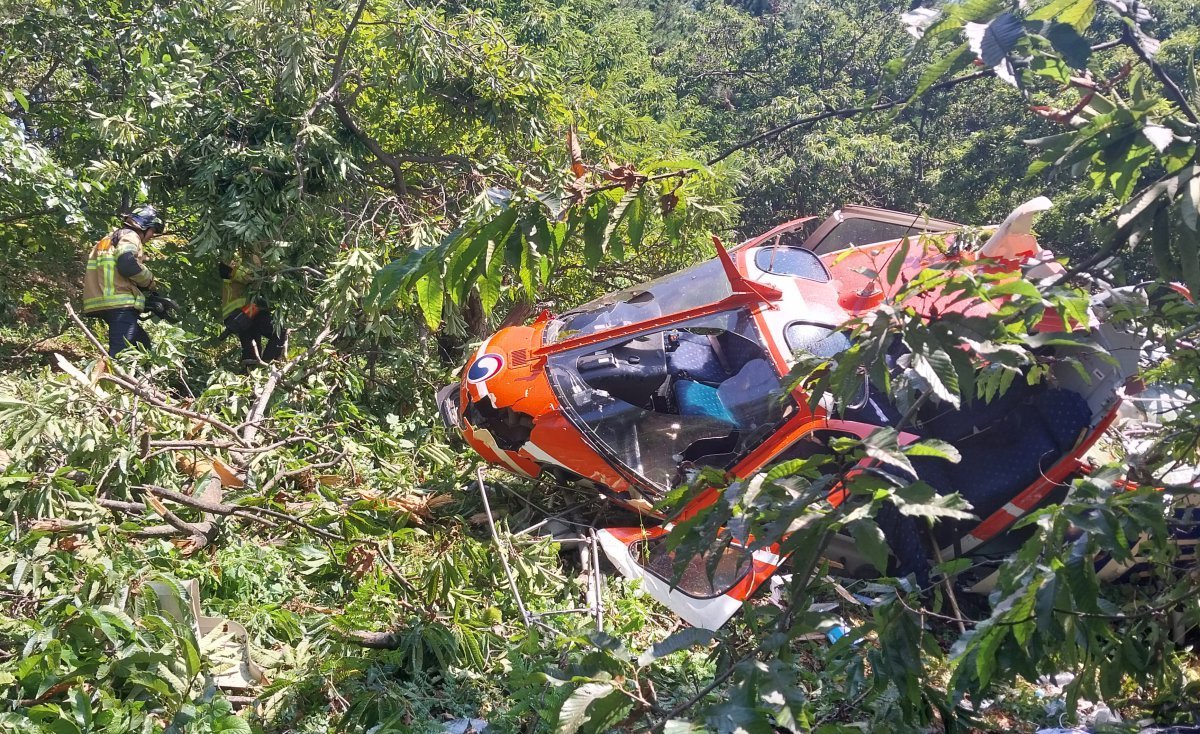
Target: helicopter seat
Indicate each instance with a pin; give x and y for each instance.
(740, 400)
(1001, 458)
(749, 394)
(696, 398)
(693, 358)
(1011, 454)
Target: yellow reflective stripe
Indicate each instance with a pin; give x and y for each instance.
(119, 300)
(108, 275)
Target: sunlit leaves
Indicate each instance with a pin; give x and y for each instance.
(1076, 13)
(595, 223)
(574, 711)
(522, 243)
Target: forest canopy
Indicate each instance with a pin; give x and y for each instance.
(405, 177)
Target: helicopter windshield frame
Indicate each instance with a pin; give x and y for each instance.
(700, 285)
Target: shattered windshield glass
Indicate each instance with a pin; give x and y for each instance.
(698, 285)
(701, 393)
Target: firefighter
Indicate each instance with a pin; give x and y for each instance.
(248, 318)
(118, 282)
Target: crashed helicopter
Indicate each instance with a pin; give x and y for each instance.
(631, 393)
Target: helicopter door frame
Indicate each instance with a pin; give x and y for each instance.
(912, 223)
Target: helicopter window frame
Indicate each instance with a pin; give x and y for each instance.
(914, 224)
(772, 250)
(833, 329)
(643, 550)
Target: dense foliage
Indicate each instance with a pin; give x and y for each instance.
(407, 176)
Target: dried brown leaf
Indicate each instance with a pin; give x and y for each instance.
(575, 153)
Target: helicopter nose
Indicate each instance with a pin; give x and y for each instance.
(447, 402)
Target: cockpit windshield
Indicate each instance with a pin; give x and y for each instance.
(700, 393)
(698, 285)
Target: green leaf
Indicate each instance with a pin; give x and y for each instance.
(527, 267)
(496, 234)
(393, 277)
(935, 367)
(1075, 13)
(1189, 259)
(607, 712)
(1073, 47)
(191, 654)
(231, 725)
(461, 267)
(999, 38)
(573, 713)
(115, 624)
(1016, 287)
(473, 258)
(1055, 69)
(921, 500)
(616, 217)
(430, 298)
(976, 11)
(637, 219)
(1023, 618)
(954, 566)
(956, 59)
(81, 708)
(883, 446)
(933, 447)
(681, 640)
(896, 264)
(595, 224)
(1160, 246)
(489, 285)
(1189, 203)
(1133, 215)
(1043, 605)
(869, 540)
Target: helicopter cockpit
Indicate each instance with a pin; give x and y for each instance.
(664, 401)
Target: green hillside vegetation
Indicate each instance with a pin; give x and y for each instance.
(406, 177)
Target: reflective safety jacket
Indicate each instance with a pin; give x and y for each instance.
(104, 285)
(233, 289)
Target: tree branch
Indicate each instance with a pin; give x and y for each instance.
(25, 215)
(398, 187)
(851, 111)
(845, 112)
(1131, 39)
(123, 381)
(250, 427)
(373, 640)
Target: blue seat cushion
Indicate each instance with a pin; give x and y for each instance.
(1003, 452)
(992, 473)
(695, 359)
(696, 398)
(1065, 414)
